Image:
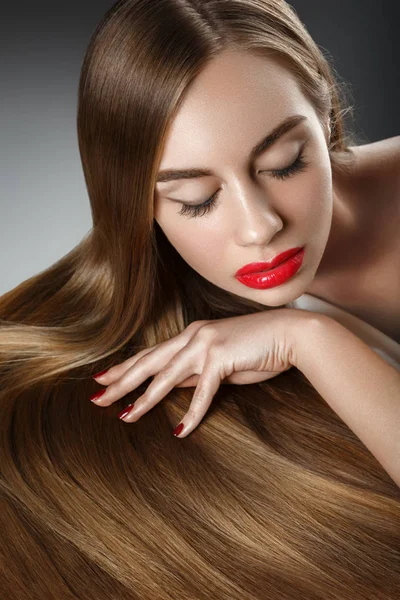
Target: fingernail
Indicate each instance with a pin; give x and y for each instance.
(100, 374)
(178, 429)
(126, 411)
(97, 395)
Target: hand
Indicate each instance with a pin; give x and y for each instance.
(241, 350)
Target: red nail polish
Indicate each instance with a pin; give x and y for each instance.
(126, 410)
(97, 395)
(178, 429)
(100, 374)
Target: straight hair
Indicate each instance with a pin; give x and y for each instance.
(272, 495)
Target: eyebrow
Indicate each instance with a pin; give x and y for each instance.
(266, 142)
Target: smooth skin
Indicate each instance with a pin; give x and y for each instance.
(231, 105)
(243, 349)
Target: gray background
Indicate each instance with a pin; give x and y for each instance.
(44, 203)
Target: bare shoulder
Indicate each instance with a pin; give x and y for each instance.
(381, 158)
(378, 173)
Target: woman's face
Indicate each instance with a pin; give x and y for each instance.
(232, 105)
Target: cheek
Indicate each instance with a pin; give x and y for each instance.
(199, 249)
(196, 242)
(310, 201)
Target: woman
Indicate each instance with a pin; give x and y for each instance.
(290, 484)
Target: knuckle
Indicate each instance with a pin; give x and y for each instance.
(124, 383)
(207, 333)
(201, 349)
(119, 387)
(129, 362)
(138, 358)
(214, 354)
(115, 373)
(167, 373)
(195, 325)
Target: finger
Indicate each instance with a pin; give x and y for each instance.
(162, 384)
(116, 371)
(146, 366)
(193, 380)
(152, 360)
(208, 385)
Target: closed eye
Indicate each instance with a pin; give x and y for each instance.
(198, 210)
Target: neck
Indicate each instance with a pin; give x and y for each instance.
(342, 236)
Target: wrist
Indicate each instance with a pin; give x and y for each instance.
(304, 329)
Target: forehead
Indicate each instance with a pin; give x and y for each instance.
(235, 98)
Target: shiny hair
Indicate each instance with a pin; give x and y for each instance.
(272, 495)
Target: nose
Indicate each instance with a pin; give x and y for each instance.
(256, 219)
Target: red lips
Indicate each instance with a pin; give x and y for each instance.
(257, 267)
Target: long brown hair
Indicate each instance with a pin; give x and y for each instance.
(272, 495)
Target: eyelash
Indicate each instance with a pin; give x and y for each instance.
(199, 210)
